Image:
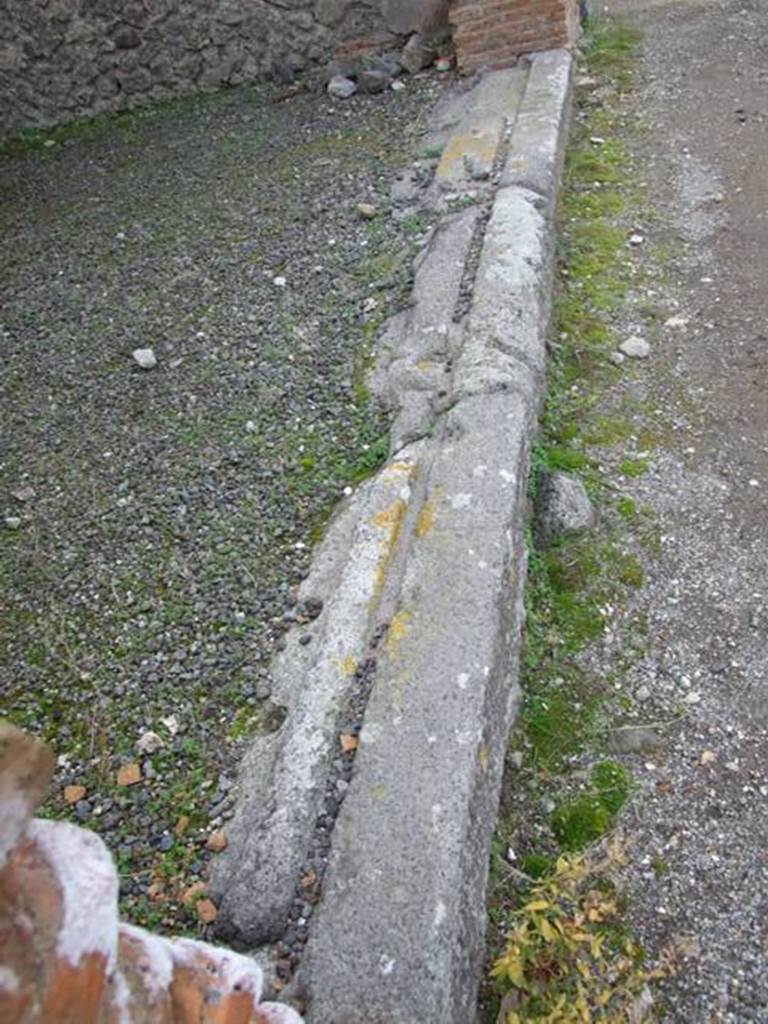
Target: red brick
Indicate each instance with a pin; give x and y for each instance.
(493, 33)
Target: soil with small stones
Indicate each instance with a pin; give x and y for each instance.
(155, 523)
(682, 660)
(699, 831)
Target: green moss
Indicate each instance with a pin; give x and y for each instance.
(613, 782)
(536, 865)
(558, 725)
(585, 818)
(257, 720)
(580, 822)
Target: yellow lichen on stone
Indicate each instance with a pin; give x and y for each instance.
(398, 627)
(391, 520)
(348, 665)
(408, 469)
(426, 517)
(481, 147)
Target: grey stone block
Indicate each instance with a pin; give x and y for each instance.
(283, 776)
(399, 934)
(505, 336)
(472, 146)
(563, 508)
(535, 156)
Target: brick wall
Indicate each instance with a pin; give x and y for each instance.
(64, 956)
(493, 33)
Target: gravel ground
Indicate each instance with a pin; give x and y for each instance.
(682, 657)
(699, 830)
(154, 523)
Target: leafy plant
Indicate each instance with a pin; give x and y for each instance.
(567, 959)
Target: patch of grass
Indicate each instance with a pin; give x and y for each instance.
(609, 48)
(572, 584)
(626, 508)
(659, 866)
(633, 467)
(606, 431)
(567, 460)
(415, 223)
(630, 572)
(368, 461)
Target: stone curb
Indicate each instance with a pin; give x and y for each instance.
(417, 648)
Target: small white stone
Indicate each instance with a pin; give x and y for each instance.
(397, 85)
(636, 239)
(342, 88)
(279, 282)
(617, 358)
(250, 426)
(171, 723)
(145, 358)
(149, 743)
(12, 522)
(677, 321)
(694, 697)
(635, 347)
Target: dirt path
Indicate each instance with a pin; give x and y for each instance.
(700, 832)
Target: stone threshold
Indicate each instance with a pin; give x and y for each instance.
(359, 850)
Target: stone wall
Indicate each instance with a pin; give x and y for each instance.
(66, 59)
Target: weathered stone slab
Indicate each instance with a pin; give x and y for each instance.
(472, 147)
(282, 778)
(536, 150)
(505, 336)
(403, 906)
(413, 359)
(397, 936)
